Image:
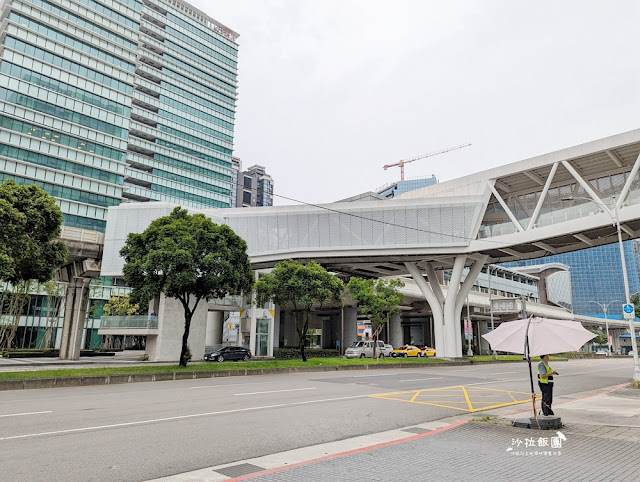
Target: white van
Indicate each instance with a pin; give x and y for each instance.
(364, 349)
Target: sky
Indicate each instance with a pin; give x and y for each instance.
(330, 91)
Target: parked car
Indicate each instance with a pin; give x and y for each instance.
(602, 352)
(407, 350)
(364, 349)
(428, 351)
(228, 353)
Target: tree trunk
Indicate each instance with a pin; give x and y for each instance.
(185, 337)
(302, 327)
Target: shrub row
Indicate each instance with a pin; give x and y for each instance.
(292, 353)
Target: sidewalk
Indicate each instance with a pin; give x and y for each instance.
(600, 441)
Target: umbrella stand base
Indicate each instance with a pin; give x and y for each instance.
(547, 422)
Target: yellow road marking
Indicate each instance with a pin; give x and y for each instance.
(466, 396)
(449, 397)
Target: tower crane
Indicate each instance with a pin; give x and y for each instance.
(429, 154)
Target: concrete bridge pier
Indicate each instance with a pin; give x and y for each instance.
(447, 310)
(434, 296)
(78, 275)
(395, 331)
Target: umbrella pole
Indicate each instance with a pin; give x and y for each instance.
(533, 393)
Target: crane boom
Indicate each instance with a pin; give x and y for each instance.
(422, 156)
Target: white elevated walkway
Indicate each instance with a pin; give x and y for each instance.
(558, 202)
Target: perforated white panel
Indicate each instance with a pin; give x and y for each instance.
(379, 225)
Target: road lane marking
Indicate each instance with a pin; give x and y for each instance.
(228, 385)
(25, 413)
(503, 373)
(420, 379)
(179, 417)
(377, 375)
(274, 391)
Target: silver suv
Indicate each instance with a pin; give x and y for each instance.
(364, 349)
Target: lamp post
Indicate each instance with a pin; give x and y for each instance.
(605, 307)
(615, 218)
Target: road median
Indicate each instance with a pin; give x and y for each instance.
(138, 374)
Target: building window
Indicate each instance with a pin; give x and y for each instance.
(247, 182)
(246, 197)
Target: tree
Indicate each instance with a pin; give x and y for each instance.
(120, 305)
(297, 287)
(635, 299)
(378, 299)
(29, 253)
(600, 339)
(30, 222)
(187, 257)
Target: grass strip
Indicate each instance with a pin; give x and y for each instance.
(208, 367)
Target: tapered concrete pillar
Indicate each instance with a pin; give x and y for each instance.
(435, 298)
(462, 294)
(349, 326)
(395, 330)
(75, 310)
(214, 328)
(453, 343)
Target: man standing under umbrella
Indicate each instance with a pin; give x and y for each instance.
(545, 381)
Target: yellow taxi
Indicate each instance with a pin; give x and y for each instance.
(406, 350)
(428, 351)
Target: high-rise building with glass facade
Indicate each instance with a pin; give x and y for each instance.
(107, 101)
(596, 276)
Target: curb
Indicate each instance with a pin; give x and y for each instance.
(88, 380)
(348, 452)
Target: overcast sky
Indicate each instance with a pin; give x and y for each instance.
(330, 91)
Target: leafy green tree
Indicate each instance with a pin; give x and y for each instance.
(29, 252)
(600, 339)
(378, 299)
(30, 221)
(297, 287)
(635, 299)
(120, 305)
(187, 257)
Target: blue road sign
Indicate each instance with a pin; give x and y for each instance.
(629, 310)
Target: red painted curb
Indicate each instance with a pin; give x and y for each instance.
(348, 452)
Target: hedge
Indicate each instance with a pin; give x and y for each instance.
(291, 353)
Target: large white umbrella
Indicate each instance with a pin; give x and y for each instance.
(538, 336)
(546, 336)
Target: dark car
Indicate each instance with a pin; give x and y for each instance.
(228, 353)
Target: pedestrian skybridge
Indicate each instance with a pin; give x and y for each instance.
(554, 203)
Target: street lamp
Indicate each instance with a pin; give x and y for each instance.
(605, 307)
(616, 222)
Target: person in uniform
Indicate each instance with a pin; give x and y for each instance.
(545, 381)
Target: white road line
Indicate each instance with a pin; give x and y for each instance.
(25, 413)
(274, 391)
(228, 385)
(180, 417)
(527, 378)
(420, 379)
(502, 373)
(377, 375)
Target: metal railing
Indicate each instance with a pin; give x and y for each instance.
(135, 321)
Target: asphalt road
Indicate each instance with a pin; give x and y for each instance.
(148, 430)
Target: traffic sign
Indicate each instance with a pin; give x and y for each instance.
(629, 311)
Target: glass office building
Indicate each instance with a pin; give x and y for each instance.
(108, 101)
(596, 276)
